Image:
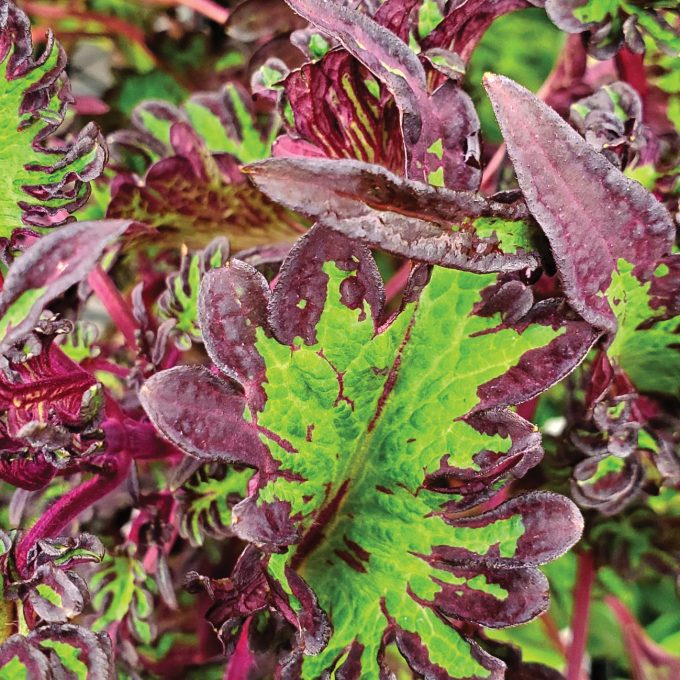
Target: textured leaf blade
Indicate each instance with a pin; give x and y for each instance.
(361, 425)
(591, 213)
(206, 500)
(179, 301)
(194, 191)
(439, 129)
(122, 591)
(646, 343)
(64, 650)
(340, 108)
(40, 187)
(458, 229)
(202, 414)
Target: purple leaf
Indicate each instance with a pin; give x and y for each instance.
(591, 213)
(47, 387)
(232, 304)
(202, 414)
(335, 111)
(457, 229)
(440, 128)
(47, 269)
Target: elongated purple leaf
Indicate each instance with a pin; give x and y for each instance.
(465, 24)
(591, 213)
(457, 229)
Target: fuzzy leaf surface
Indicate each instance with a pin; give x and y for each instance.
(372, 443)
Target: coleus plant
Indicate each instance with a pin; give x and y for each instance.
(346, 473)
(334, 443)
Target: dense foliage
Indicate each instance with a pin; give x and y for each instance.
(339, 339)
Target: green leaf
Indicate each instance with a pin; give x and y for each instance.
(376, 442)
(40, 184)
(206, 500)
(57, 650)
(238, 135)
(645, 348)
(180, 299)
(123, 591)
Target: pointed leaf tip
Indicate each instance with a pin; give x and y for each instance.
(592, 214)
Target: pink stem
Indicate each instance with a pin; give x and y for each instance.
(585, 577)
(68, 507)
(490, 176)
(396, 284)
(207, 8)
(552, 632)
(115, 304)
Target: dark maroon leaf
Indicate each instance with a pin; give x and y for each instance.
(232, 305)
(335, 111)
(439, 128)
(465, 24)
(203, 414)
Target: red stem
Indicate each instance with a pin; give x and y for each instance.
(552, 632)
(631, 67)
(115, 304)
(585, 577)
(68, 507)
(396, 284)
(207, 8)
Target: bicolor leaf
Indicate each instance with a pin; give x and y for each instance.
(47, 269)
(592, 214)
(41, 184)
(373, 445)
(194, 191)
(439, 129)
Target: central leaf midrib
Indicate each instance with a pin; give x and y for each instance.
(360, 449)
